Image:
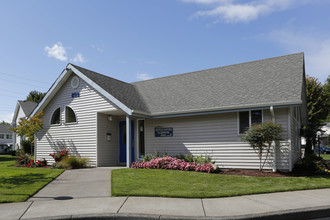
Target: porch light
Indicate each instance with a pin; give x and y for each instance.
(110, 118)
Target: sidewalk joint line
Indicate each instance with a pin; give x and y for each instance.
(26, 210)
(203, 207)
(122, 204)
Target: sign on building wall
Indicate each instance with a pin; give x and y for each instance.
(163, 132)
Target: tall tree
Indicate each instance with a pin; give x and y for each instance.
(318, 109)
(35, 96)
(326, 88)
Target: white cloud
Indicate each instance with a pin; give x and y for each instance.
(57, 51)
(315, 46)
(7, 117)
(231, 12)
(143, 76)
(97, 48)
(79, 58)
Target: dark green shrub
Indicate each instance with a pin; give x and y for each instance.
(12, 152)
(306, 164)
(27, 146)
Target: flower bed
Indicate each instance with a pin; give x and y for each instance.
(38, 163)
(172, 163)
(322, 166)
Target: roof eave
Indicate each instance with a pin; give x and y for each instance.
(216, 110)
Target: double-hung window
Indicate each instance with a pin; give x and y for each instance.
(248, 118)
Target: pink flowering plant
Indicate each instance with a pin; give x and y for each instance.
(59, 155)
(172, 163)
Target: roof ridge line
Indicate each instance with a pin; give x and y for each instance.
(180, 74)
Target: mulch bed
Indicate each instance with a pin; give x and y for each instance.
(265, 173)
(22, 165)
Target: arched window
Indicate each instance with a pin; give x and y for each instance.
(56, 117)
(70, 116)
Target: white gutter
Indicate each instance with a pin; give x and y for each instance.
(271, 109)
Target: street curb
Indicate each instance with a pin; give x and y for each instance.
(306, 213)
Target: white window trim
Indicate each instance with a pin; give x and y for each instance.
(238, 119)
(50, 121)
(70, 123)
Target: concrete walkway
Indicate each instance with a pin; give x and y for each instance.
(84, 194)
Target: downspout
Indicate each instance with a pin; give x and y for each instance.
(271, 109)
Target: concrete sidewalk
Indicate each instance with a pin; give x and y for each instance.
(285, 205)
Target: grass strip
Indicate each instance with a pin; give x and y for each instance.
(183, 184)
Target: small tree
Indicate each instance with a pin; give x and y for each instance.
(261, 137)
(27, 127)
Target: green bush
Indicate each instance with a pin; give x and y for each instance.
(72, 162)
(200, 159)
(27, 146)
(148, 157)
(306, 164)
(12, 152)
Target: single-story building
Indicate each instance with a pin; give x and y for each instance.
(201, 113)
(23, 110)
(6, 138)
(325, 134)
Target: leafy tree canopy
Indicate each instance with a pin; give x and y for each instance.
(27, 127)
(318, 110)
(35, 96)
(326, 88)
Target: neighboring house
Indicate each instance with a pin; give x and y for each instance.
(325, 134)
(6, 138)
(23, 110)
(201, 113)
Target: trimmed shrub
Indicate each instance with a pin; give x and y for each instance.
(172, 163)
(72, 162)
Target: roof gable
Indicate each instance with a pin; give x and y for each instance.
(27, 107)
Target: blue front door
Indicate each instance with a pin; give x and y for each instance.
(122, 141)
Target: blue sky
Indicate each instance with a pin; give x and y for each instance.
(136, 40)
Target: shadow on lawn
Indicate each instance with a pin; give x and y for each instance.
(25, 179)
(7, 158)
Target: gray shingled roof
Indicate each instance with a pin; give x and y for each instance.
(124, 92)
(4, 129)
(265, 82)
(27, 107)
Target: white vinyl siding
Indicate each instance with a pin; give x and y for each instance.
(213, 135)
(80, 138)
(20, 115)
(108, 151)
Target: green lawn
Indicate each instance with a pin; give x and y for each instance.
(325, 156)
(18, 184)
(172, 183)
